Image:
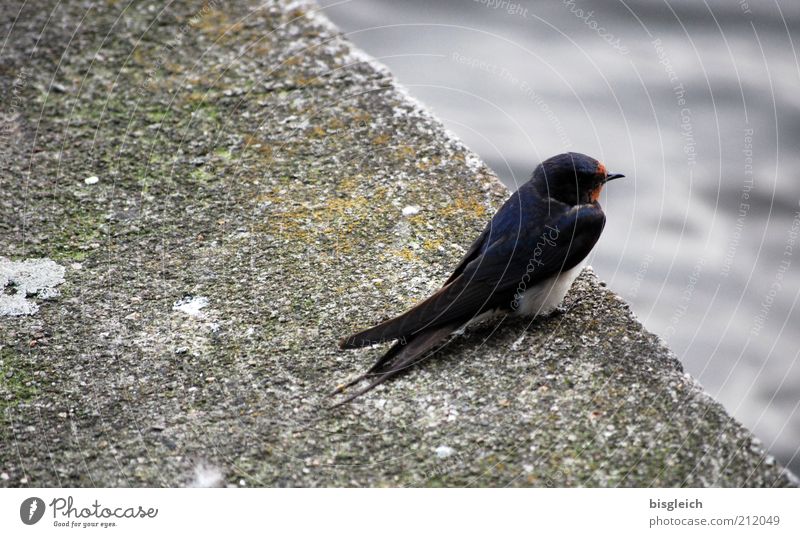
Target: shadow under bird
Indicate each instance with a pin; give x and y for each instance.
(523, 263)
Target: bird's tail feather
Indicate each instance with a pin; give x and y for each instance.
(372, 371)
(380, 333)
(398, 359)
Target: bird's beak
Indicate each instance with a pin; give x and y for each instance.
(611, 176)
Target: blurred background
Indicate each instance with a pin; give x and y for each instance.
(697, 102)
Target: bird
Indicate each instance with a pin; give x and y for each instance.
(523, 263)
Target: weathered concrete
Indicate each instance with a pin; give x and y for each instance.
(248, 209)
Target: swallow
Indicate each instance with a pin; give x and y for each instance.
(523, 263)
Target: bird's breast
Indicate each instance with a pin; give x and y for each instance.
(545, 296)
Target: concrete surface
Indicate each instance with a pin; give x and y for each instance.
(231, 188)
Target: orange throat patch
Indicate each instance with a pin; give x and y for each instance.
(594, 195)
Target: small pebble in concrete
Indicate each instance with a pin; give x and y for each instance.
(191, 305)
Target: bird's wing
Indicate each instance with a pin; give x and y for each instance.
(490, 279)
(541, 250)
(401, 357)
(452, 301)
(472, 252)
(495, 232)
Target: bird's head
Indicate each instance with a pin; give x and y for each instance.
(572, 178)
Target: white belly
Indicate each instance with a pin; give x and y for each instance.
(541, 299)
(545, 296)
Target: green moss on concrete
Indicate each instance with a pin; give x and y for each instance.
(17, 384)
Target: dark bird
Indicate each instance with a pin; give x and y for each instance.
(523, 263)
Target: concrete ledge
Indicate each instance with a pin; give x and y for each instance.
(225, 188)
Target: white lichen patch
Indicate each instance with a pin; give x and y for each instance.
(191, 305)
(21, 282)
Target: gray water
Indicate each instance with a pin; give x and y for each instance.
(698, 103)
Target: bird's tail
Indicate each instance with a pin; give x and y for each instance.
(398, 359)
